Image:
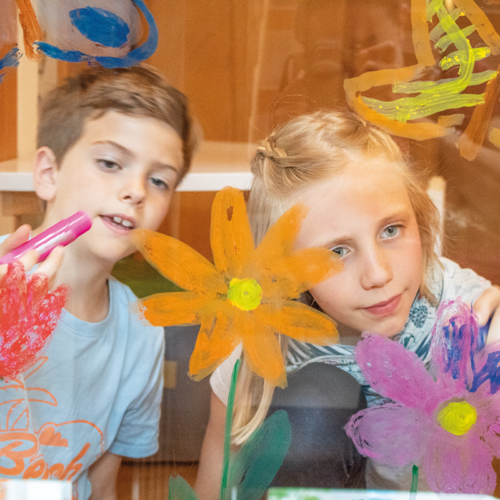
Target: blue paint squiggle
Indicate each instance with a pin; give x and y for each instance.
(10, 60)
(100, 26)
(490, 371)
(137, 55)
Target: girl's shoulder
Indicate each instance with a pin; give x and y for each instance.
(458, 282)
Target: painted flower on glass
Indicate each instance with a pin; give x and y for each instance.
(446, 421)
(29, 313)
(247, 295)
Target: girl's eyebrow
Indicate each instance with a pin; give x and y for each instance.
(336, 241)
(398, 213)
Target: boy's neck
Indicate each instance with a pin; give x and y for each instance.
(89, 290)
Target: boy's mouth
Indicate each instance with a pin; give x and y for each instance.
(119, 221)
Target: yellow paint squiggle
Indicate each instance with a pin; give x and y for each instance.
(457, 418)
(439, 96)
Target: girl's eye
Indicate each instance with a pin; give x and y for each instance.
(159, 183)
(340, 251)
(108, 164)
(391, 231)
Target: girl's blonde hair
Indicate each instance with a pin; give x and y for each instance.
(296, 156)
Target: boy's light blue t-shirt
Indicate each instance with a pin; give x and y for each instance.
(97, 387)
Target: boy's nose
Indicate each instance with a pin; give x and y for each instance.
(377, 270)
(133, 191)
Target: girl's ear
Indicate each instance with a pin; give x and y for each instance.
(45, 174)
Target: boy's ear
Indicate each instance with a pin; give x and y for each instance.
(45, 173)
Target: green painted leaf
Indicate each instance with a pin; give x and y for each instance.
(179, 489)
(254, 465)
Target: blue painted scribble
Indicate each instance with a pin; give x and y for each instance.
(490, 371)
(10, 60)
(453, 333)
(137, 55)
(100, 26)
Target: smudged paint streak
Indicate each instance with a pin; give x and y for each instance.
(11, 59)
(29, 316)
(100, 26)
(31, 29)
(137, 55)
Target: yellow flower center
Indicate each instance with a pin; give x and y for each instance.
(457, 418)
(244, 294)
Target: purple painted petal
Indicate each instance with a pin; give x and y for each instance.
(458, 464)
(487, 427)
(398, 374)
(391, 434)
(455, 335)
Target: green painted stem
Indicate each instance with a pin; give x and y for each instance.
(414, 483)
(227, 433)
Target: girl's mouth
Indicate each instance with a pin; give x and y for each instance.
(385, 308)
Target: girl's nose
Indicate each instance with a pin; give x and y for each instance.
(377, 269)
(133, 190)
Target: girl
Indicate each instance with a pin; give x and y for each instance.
(367, 206)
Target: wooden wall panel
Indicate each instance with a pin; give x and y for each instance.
(169, 58)
(189, 220)
(209, 81)
(8, 111)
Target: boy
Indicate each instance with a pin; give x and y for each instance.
(114, 143)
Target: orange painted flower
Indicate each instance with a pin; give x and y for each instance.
(247, 295)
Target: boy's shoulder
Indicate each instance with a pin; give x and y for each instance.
(123, 303)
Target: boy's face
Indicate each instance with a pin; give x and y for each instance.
(366, 217)
(122, 172)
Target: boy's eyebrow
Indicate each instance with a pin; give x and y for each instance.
(129, 153)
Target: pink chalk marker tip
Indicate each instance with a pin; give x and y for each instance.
(58, 235)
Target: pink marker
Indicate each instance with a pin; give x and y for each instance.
(59, 235)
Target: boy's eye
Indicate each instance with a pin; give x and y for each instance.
(108, 164)
(391, 231)
(340, 251)
(159, 183)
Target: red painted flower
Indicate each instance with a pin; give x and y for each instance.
(28, 318)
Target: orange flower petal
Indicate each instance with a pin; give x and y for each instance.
(178, 262)
(177, 308)
(215, 342)
(230, 233)
(298, 272)
(300, 322)
(280, 237)
(262, 350)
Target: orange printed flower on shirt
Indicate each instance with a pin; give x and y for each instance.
(247, 295)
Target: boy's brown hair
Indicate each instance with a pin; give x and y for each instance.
(137, 91)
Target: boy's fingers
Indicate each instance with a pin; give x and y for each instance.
(51, 265)
(486, 304)
(29, 259)
(16, 239)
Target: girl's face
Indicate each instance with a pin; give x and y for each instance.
(366, 217)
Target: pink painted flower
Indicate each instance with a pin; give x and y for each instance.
(445, 420)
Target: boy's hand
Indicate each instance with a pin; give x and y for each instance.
(29, 259)
(486, 306)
